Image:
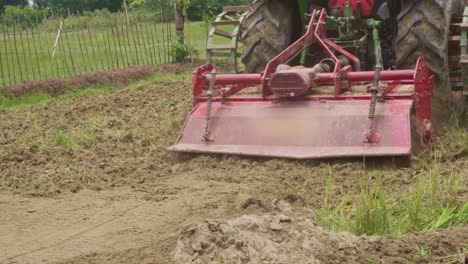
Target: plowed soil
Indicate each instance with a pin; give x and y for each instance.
(89, 180)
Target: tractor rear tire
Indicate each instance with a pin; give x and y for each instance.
(424, 30)
(267, 32)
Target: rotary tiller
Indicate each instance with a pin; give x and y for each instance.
(332, 109)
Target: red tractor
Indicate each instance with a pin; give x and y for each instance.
(335, 78)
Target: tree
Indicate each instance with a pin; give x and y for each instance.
(82, 5)
(4, 3)
(201, 9)
(180, 7)
(180, 13)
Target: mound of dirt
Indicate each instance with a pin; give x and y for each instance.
(115, 77)
(285, 237)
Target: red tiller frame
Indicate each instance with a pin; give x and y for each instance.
(420, 77)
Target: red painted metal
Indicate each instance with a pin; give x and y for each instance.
(402, 96)
(289, 53)
(424, 87)
(248, 79)
(254, 79)
(198, 80)
(366, 5)
(311, 126)
(299, 130)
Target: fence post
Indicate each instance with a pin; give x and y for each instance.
(83, 37)
(115, 48)
(37, 56)
(92, 44)
(126, 12)
(54, 48)
(59, 32)
(110, 60)
(127, 35)
(124, 44)
(164, 36)
(144, 39)
(16, 51)
(97, 47)
(35, 49)
(138, 38)
(102, 50)
(1, 67)
(64, 58)
(135, 44)
(7, 41)
(156, 41)
(148, 41)
(77, 37)
(30, 51)
(120, 45)
(23, 50)
(189, 39)
(169, 38)
(70, 52)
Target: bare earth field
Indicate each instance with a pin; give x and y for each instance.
(88, 180)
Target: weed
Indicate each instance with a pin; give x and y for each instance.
(68, 140)
(431, 203)
(423, 252)
(328, 189)
(456, 145)
(220, 259)
(371, 209)
(329, 213)
(459, 258)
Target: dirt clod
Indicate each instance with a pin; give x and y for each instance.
(301, 241)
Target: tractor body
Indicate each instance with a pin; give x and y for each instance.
(332, 92)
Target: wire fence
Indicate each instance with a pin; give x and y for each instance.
(32, 50)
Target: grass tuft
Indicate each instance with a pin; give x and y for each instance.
(371, 209)
(68, 140)
(430, 203)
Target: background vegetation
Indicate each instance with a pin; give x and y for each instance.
(196, 9)
(97, 35)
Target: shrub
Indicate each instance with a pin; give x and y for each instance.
(179, 50)
(14, 13)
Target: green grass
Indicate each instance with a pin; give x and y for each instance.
(41, 98)
(430, 204)
(68, 139)
(27, 55)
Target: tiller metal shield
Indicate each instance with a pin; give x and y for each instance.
(300, 130)
(305, 113)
